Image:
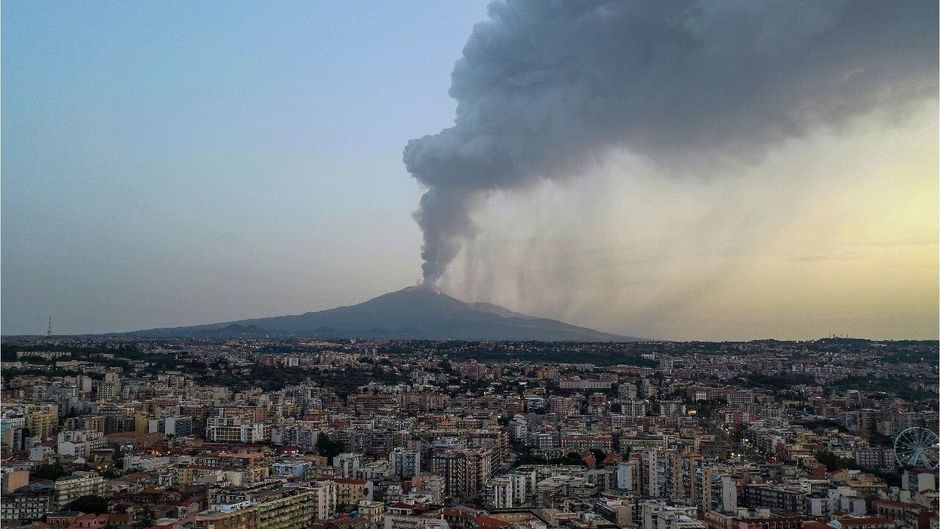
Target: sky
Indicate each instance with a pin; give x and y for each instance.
(175, 163)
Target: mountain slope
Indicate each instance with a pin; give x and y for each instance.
(411, 313)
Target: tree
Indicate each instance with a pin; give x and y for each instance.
(50, 472)
(89, 504)
(327, 447)
(571, 458)
(833, 462)
(599, 456)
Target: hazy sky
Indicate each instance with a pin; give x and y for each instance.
(177, 163)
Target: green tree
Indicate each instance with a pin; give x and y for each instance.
(599, 456)
(50, 472)
(328, 447)
(833, 462)
(89, 504)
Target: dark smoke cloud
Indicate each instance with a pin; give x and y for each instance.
(546, 87)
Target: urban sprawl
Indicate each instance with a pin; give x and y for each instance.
(253, 433)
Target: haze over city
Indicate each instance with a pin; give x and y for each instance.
(168, 164)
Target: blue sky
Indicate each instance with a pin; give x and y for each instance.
(172, 163)
(176, 162)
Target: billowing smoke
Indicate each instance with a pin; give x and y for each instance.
(546, 87)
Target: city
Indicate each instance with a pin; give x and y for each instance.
(292, 433)
(475, 264)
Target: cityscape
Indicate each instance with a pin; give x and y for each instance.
(472, 264)
(250, 432)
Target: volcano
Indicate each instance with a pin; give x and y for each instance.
(414, 313)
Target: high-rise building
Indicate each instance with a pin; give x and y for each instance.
(42, 420)
(405, 463)
(463, 471)
(499, 493)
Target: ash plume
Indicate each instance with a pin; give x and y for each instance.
(546, 87)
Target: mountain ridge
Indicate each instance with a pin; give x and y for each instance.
(410, 313)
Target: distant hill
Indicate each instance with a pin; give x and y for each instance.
(415, 313)
(233, 330)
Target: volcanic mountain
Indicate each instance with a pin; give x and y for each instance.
(415, 313)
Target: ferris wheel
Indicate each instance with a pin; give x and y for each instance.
(916, 447)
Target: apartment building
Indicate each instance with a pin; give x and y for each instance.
(464, 471)
(42, 420)
(405, 463)
(70, 488)
(352, 491)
